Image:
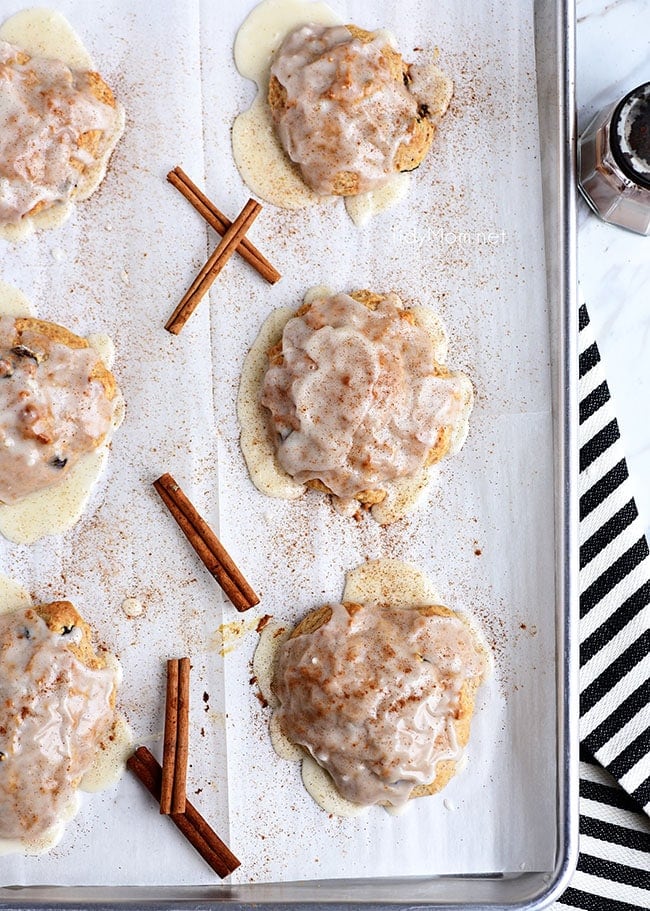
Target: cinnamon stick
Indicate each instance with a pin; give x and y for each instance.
(204, 280)
(192, 825)
(220, 222)
(208, 547)
(179, 797)
(170, 737)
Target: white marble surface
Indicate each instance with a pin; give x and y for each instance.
(613, 56)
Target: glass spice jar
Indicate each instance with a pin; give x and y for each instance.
(614, 162)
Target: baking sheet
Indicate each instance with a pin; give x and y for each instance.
(467, 240)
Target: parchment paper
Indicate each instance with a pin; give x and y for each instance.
(468, 241)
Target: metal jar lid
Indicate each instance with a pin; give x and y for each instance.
(614, 162)
(629, 135)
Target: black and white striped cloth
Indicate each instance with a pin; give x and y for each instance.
(614, 865)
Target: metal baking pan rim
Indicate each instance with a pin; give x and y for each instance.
(555, 50)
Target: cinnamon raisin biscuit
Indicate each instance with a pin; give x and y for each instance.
(57, 705)
(57, 403)
(349, 111)
(357, 398)
(63, 126)
(381, 696)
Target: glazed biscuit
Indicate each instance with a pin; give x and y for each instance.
(57, 403)
(318, 699)
(64, 125)
(57, 714)
(418, 130)
(446, 438)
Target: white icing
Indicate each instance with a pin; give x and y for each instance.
(52, 411)
(321, 788)
(258, 153)
(53, 46)
(341, 90)
(256, 443)
(365, 206)
(110, 761)
(56, 509)
(373, 694)
(378, 581)
(272, 467)
(259, 156)
(13, 596)
(386, 580)
(46, 33)
(54, 712)
(358, 399)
